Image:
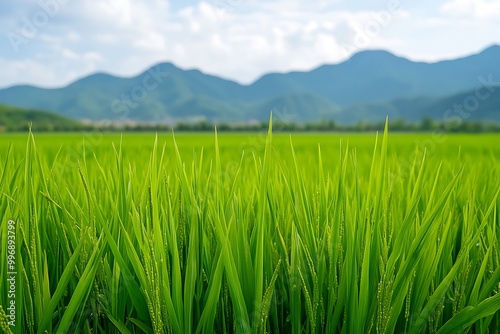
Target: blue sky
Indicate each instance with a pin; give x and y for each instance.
(51, 43)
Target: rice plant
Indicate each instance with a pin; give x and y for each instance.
(278, 237)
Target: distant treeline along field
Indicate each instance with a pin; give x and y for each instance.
(13, 119)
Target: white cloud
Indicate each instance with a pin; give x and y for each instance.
(432, 22)
(119, 10)
(92, 56)
(241, 42)
(28, 71)
(150, 41)
(264, 37)
(69, 54)
(476, 9)
(73, 36)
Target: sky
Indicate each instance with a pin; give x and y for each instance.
(51, 43)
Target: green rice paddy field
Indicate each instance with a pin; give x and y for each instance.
(249, 233)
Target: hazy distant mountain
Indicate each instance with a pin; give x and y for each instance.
(368, 86)
(456, 108)
(379, 75)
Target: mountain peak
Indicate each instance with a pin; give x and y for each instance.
(99, 78)
(493, 48)
(373, 52)
(374, 56)
(166, 65)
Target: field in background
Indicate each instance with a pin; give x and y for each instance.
(253, 233)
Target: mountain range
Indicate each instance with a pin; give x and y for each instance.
(367, 87)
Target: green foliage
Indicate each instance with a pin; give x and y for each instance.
(17, 119)
(254, 233)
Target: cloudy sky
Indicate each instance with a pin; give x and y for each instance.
(50, 43)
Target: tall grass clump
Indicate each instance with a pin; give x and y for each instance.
(156, 242)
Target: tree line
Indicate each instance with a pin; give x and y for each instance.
(398, 125)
